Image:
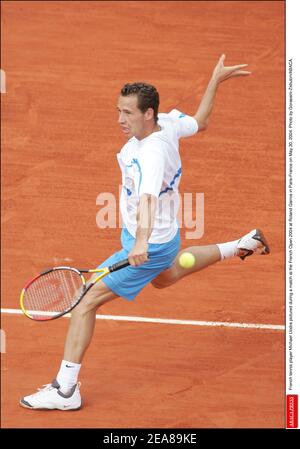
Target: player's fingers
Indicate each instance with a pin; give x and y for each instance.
(142, 259)
(236, 67)
(221, 61)
(242, 73)
(240, 66)
(237, 73)
(137, 259)
(131, 260)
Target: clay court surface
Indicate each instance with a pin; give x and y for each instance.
(65, 63)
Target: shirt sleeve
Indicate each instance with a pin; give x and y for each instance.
(185, 124)
(151, 167)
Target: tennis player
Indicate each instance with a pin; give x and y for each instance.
(151, 171)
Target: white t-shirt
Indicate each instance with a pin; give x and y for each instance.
(152, 165)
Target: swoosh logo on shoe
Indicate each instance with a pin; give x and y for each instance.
(69, 366)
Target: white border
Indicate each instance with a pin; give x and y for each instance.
(292, 40)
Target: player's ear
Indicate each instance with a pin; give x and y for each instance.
(149, 114)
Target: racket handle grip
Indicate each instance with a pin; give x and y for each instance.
(119, 265)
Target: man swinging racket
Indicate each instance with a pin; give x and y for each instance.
(151, 171)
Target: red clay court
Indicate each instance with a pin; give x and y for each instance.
(65, 63)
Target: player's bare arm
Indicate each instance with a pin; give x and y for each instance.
(220, 74)
(145, 221)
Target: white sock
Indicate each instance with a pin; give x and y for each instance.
(228, 249)
(67, 375)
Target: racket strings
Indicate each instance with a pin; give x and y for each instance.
(56, 291)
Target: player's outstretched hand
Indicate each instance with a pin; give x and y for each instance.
(222, 73)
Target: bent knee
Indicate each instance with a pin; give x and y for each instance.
(159, 284)
(156, 284)
(98, 295)
(166, 278)
(85, 306)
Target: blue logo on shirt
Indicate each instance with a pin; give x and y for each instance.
(178, 173)
(182, 115)
(129, 192)
(134, 162)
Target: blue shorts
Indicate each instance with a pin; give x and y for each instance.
(129, 281)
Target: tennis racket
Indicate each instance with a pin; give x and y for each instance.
(56, 291)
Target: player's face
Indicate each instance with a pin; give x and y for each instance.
(131, 119)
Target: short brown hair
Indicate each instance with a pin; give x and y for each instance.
(148, 97)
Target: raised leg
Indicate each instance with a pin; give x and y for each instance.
(204, 255)
(252, 243)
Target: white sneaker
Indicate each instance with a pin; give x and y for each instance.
(50, 397)
(253, 242)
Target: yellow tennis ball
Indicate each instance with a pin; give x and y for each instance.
(187, 260)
